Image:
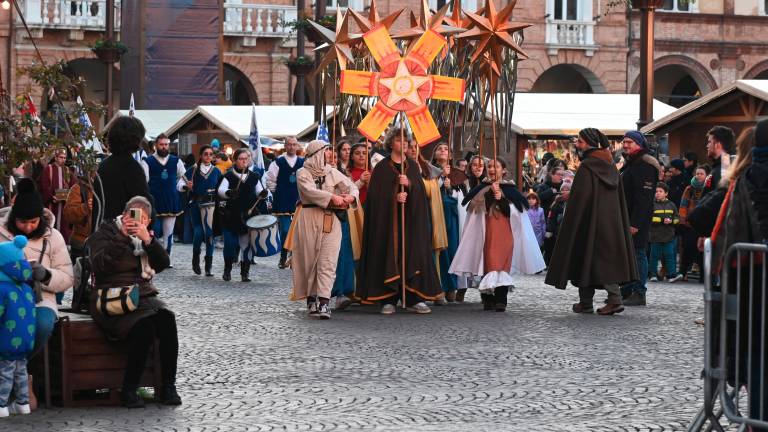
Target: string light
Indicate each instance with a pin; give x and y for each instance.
(5, 4)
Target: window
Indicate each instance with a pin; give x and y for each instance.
(470, 5)
(569, 10)
(344, 4)
(679, 6)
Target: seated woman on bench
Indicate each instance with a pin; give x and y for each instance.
(124, 254)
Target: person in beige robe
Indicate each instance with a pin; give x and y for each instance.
(323, 190)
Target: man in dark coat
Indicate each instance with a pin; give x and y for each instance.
(720, 143)
(379, 268)
(639, 177)
(677, 183)
(594, 246)
(120, 176)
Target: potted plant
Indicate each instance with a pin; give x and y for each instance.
(328, 21)
(109, 50)
(301, 65)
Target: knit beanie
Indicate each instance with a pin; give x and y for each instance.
(215, 143)
(678, 163)
(637, 137)
(13, 264)
(594, 137)
(28, 204)
(761, 133)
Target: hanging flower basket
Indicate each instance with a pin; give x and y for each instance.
(300, 66)
(109, 51)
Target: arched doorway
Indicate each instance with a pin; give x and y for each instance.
(238, 89)
(568, 78)
(93, 74)
(675, 85)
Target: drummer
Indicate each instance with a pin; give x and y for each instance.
(281, 181)
(243, 190)
(201, 180)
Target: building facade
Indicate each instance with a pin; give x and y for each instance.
(574, 45)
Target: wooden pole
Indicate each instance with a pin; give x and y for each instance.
(647, 13)
(110, 30)
(402, 207)
(335, 107)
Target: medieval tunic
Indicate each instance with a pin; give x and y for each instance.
(239, 208)
(379, 266)
(52, 179)
(316, 253)
(498, 240)
(162, 175)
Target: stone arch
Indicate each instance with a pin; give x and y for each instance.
(758, 71)
(678, 80)
(568, 78)
(238, 89)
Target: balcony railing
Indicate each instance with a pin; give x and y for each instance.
(257, 20)
(571, 35)
(68, 14)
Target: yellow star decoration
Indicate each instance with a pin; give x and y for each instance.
(403, 86)
(492, 30)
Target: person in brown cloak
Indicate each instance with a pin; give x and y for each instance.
(594, 247)
(379, 266)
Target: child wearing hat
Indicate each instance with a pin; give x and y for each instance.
(17, 313)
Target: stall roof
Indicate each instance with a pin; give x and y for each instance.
(155, 121)
(565, 114)
(273, 120)
(707, 103)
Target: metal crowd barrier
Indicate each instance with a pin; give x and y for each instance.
(735, 341)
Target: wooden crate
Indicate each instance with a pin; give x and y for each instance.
(87, 369)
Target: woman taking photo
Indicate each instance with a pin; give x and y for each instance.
(124, 254)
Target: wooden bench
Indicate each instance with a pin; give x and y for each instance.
(87, 369)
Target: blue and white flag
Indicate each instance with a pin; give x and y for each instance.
(322, 133)
(132, 107)
(93, 144)
(254, 143)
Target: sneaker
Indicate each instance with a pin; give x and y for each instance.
(420, 308)
(636, 299)
(653, 279)
(130, 398)
(699, 321)
(501, 307)
(323, 312)
(343, 302)
(677, 278)
(19, 409)
(610, 309)
(388, 309)
(312, 309)
(4, 412)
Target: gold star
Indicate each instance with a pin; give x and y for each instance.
(493, 30)
(426, 21)
(373, 19)
(338, 43)
(404, 86)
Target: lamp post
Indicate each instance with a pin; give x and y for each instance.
(647, 14)
(110, 27)
(298, 93)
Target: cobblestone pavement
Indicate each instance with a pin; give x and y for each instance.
(251, 360)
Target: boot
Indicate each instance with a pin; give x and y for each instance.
(283, 256)
(460, 293)
(500, 298)
(245, 268)
(130, 398)
(196, 263)
(227, 270)
(208, 266)
(488, 301)
(168, 395)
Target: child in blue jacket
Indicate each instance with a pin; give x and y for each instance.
(17, 326)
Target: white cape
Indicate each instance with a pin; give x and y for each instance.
(526, 255)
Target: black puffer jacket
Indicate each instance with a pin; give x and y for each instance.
(639, 177)
(757, 184)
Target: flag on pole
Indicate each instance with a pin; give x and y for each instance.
(132, 107)
(30, 110)
(254, 143)
(93, 144)
(322, 132)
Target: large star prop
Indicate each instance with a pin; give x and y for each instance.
(493, 30)
(338, 44)
(427, 21)
(373, 19)
(402, 84)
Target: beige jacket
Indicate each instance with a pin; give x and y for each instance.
(56, 258)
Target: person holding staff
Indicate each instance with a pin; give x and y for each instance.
(379, 270)
(323, 191)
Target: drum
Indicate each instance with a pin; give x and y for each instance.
(264, 235)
